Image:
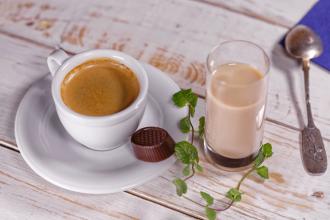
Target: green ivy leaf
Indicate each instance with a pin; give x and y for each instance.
(259, 159)
(186, 170)
(267, 150)
(211, 214)
(184, 97)
(208, 198)
(201, 127)
(193, 99)
(199, 168)
(185, 125)
(181, 186)
(186, 152)
(180, 98)
(263, 172)
(234, 195)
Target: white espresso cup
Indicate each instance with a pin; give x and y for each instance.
(97, 132)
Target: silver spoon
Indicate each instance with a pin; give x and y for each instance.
(302, 43)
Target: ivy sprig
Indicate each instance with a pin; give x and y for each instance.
(235, 194)
(187, 153)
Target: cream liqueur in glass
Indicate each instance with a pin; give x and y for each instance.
(235, 103)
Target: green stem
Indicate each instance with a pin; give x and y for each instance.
(192, 142)
(197, 203)
(244, 177)
(192, 128)
(224, 209)
(237, 187)
(215, 209)
(192, 173)
(247, 174)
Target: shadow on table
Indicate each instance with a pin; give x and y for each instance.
(280, 60)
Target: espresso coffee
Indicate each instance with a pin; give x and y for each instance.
(99, 87)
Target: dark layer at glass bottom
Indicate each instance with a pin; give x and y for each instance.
(229, 162)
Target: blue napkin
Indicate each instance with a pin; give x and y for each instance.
(318, 19)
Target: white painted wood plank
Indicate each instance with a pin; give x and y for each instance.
(21, 64)
(177, 43)
(280, 12)
(286, 144)
(24, 195)
(287, 195)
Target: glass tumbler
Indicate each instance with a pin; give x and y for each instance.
(236, 95)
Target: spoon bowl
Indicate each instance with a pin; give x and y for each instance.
(302, 43)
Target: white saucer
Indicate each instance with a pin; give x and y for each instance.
(54, 155)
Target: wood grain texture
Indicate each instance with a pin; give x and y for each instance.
(174, 36)
(282, 13)
(289, 194)
(161, 191)
(24, 195)
(177, 43)
(18, 73)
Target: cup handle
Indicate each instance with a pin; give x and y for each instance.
(55, 60)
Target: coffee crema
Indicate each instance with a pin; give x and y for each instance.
(99, 87)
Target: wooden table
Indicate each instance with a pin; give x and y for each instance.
(174, 36)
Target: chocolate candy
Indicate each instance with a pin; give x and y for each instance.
(152, 144)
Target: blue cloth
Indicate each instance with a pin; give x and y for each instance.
(318, 19)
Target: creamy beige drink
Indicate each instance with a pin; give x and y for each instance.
(235, 106)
